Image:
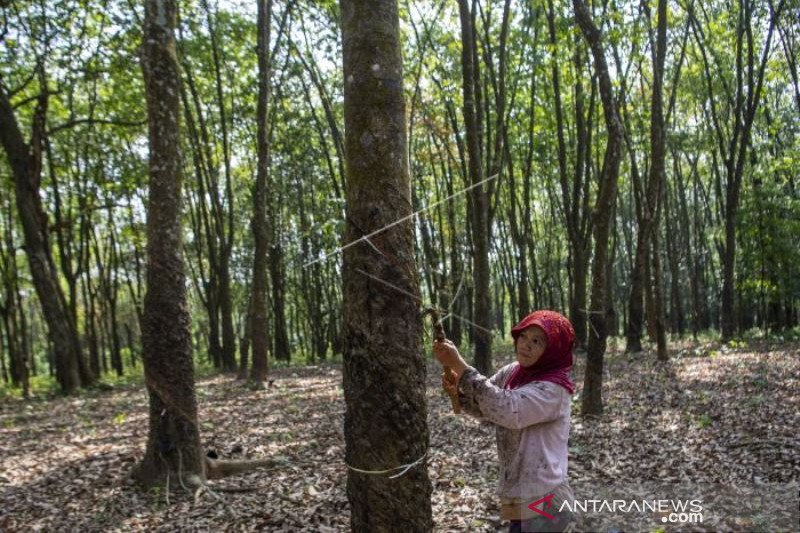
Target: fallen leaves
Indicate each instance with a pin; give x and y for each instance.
(708, 415)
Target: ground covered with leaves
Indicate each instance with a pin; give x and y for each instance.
(718, 416)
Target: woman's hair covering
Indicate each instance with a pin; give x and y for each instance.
(555, 363)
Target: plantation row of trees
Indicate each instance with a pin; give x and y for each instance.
(632, 164)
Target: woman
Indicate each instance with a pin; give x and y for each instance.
(529, 403)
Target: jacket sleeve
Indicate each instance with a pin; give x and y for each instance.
(469, 406)
(468, 403)
(534, 403)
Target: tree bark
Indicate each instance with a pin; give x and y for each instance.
(173, 443)
(384, 370)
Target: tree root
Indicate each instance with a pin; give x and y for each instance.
(218, 469)
(250, 488)
(197, 484)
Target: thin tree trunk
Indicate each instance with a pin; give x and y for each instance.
(10, 309)
(658, 298)
(674, 241)
(733, 150)
(259, 325)
(480, 200)
(277, 274)
(211, 215)
(3, 367)
(223, 215)
(26, 165)
(575, 218)
(244, 348)
(226, 313)
(456, 286)
(592, 402)
(640, 280)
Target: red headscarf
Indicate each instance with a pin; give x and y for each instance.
(556, 362)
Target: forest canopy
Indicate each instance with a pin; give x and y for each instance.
(723, 222)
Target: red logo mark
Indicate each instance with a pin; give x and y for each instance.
(548, 503)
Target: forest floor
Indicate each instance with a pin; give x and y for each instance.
(726, 417)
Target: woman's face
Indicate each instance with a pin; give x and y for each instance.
(531, 344)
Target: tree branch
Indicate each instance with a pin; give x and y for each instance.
(79, 121)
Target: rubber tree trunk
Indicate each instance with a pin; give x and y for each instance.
(259, 325)
(573, 192)
(278, 275)
(479, 197)
(384, 369)
(173, 442)
(651, 205)
(592, 403)
(26, 166)
(748, 88)
(226, 314)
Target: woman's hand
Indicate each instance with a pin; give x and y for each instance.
(450, 381)
(447, 354)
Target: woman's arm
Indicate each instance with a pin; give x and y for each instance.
(469, 406)
(447, 354)
(468, 403)
(534, 403)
